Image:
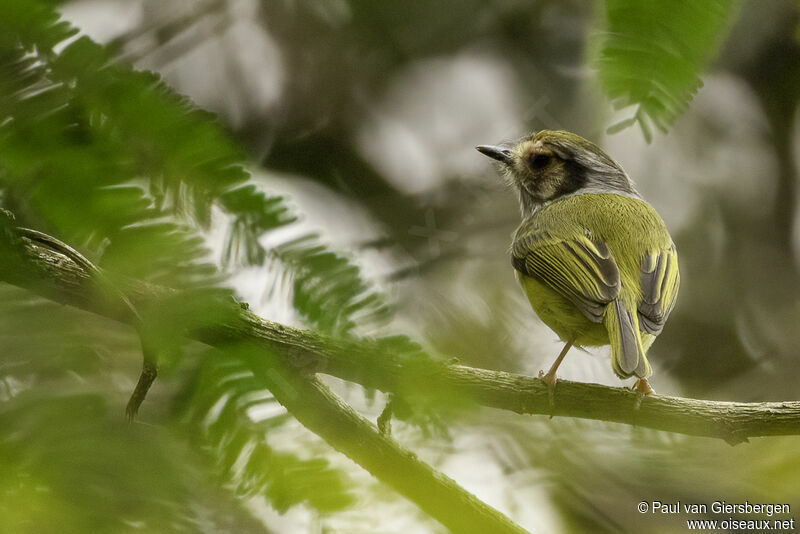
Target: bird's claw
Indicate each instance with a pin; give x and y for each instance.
(642, 388)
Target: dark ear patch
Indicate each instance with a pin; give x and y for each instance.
(574, 178)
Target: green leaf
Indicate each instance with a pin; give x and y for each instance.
(621, 125)
(72, 465)
(217, 406)
(651, 55)
(145, 167)
(328, 289)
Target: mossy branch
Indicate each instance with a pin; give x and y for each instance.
(58, 278)
(356, 362)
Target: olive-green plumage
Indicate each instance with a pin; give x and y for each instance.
(595, 260)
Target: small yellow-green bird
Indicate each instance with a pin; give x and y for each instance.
(594, 258)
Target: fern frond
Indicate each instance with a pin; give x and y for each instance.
(328, 289)
(651, 55)
(144, 167)
(219, 405)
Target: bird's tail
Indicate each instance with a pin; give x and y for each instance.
(627, 353)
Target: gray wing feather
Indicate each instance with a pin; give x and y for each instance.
(555, 262)
(629, 347)
(657, 272)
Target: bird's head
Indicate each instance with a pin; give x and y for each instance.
(551, 164)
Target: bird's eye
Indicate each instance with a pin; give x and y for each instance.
(539, 161)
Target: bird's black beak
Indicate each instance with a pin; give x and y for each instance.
(499, 153)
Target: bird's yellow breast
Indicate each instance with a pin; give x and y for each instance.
(561, 315)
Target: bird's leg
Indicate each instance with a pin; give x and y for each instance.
(549, 378)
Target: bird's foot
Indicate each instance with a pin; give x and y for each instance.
(550, 380)
(642, 388)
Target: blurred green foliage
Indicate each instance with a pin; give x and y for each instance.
(114, 162)
(110, 157)
(214, 403)
(651, 56)
(111, 160)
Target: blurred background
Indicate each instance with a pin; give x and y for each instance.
(363, 117)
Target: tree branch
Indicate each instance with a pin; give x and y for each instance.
(305, 397)
(367, 363)
(322, 412)
(364, 364)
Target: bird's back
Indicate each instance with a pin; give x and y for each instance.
(629, 227)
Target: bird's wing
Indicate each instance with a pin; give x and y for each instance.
(580, 269)
(660, 281)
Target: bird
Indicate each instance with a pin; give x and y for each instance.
(595, 259)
